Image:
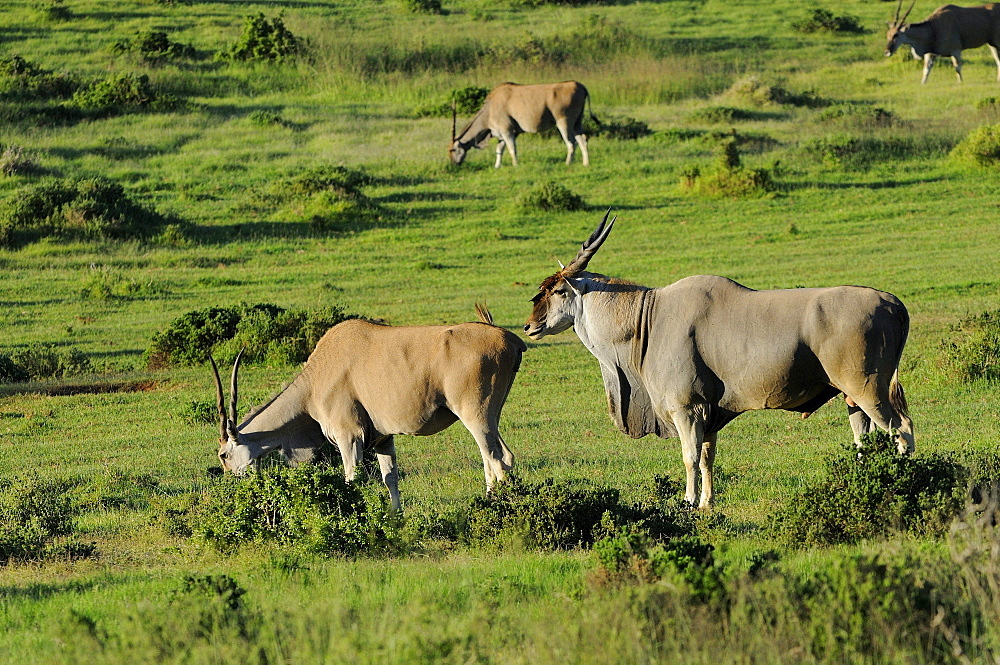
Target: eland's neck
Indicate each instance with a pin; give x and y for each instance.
(608, 317)
(275, 423)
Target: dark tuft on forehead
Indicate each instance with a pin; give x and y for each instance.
(548, 284)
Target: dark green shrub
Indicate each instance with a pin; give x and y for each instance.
(467, 101)
(102, 283)
(10, 371)
(21, 79)
(200, 413)
(422, 6)
(339, 179)
(720, 115)
(550, 196)
(154, 46)
(869, 494)
(824, 19)
(308, 507)
(264, 39)
(551, 515)
(850, 152)
(35, 513)
(981, 147)
(729, 178)
(972, 348)
(268, 333)
(122, 93)
(863, 115)
(262, 118)
(93, 208)
(619, 129)
(631, 556)
(47, 361)
(988, 104)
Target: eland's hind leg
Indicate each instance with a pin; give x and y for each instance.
(885, 406)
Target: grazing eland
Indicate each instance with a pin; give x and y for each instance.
(365, 382)
(685, 359)
(511, 109)
(946, 32)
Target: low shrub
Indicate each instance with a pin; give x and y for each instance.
(21, 80)
(42, 361)
(310, 507)
(467, 101)
(981, 147)
(720, 114)
(422, 6)
(846, 151)
(563, 515)
(631, 556)
(971, 350)
(122, 93)
(154, 47)
(86, 209)
(621, 128)
(262, 118)
(114, 488)
(53, 11)
(754, 90)
(870, 493)
(550, 196)
(824, 20)
(988, 104)
(728, 178)
(102, 283)
(268, 333)
(35, 515)
(264, 39)
(862, 115)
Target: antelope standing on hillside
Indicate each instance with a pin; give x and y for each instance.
(365, 382)
(511, 109)
(946, 32)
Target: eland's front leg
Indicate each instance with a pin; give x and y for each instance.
(692, 434)
(385, 451)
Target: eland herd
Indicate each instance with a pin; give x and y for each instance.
(677, 361)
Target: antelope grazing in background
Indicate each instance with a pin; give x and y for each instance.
(365, 382)
(511, 109)
(946, 32)
(685, 359)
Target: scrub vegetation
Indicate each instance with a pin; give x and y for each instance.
(179, 179)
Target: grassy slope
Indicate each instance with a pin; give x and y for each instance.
(919, 227)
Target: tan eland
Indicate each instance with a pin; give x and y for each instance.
(511, 109)
(683, 360)
(365, 382)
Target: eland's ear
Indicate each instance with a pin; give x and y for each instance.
(576, 288)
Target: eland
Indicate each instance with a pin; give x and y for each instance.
(683, 360)
(366, 382)
(946, 32)
(511, 109)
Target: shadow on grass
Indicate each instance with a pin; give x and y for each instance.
(883, 184)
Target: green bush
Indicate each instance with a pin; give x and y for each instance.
(972, 348)
(720, 115)
(34, 515)
(824, 20)
(114, 488)
(551, 515)
(729, 178)
(752, 89)
(550, 196)
(631, 556)
(122, 93)
(268, 333)
(863, 115)
(53, 11)
(467, 101)
(621, 128)
(980, 147)
(264, 39)
(870, 493)
(422, 6)
(102, 283)
(88, 209)
(154, 46)
(42, 361)
(21, 79)
(262, 118)
(850, 152)
(310, 507)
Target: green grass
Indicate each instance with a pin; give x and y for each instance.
(896, 214)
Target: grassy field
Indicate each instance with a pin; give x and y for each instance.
(860, 198)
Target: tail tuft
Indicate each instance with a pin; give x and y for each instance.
(484, 314)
